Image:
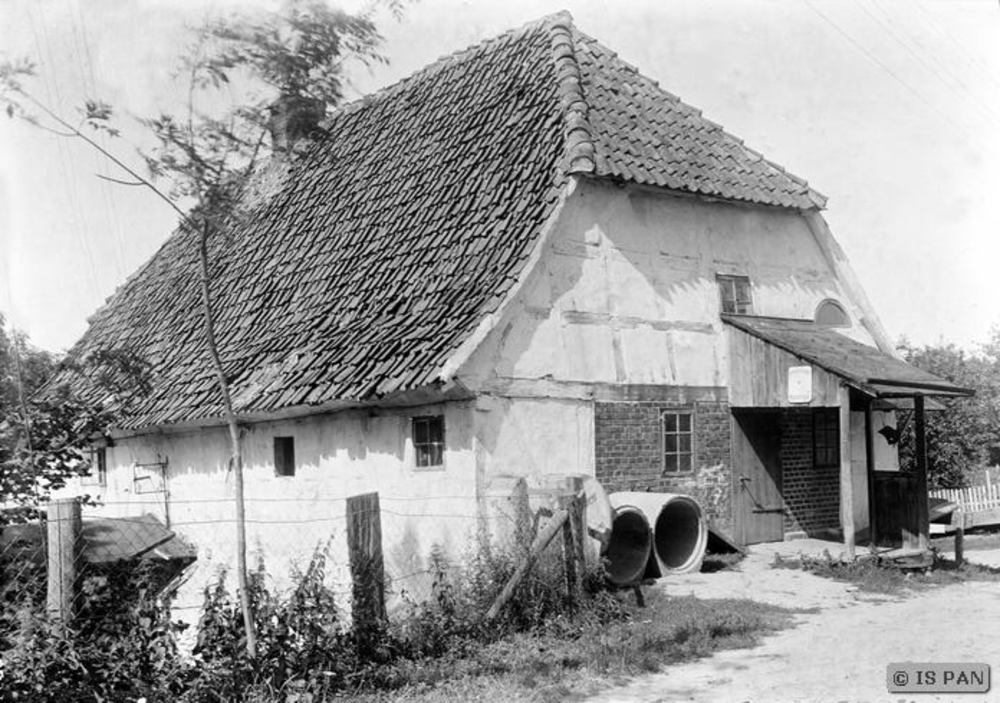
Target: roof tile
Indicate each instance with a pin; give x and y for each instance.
(369, 258)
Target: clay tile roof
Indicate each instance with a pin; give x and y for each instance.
(373, 255)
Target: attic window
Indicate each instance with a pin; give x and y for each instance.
(284, 456)
(428, 440)
(832, 314)
(734, 292)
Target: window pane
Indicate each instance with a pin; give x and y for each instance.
(669, 422)
(669, 443)
(684, 422)
(685, 443)
(420, 431)
(735, 294)
(670, 463)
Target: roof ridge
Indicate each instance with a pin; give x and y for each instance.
(578, 156)
(441, 63)
(815, 196)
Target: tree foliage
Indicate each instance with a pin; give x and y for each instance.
(46, 430)
(965, 436)
(205, 154)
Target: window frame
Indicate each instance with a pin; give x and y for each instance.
(828, 304)
(732, 282)
(432, 448)
(826, 426)
(284, 456)
(98, 461)
(677, 432)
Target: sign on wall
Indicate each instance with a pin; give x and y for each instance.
(800, 384)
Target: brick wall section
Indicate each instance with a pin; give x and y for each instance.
(812, 494)
(627, 457)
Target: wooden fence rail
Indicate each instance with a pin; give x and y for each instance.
(971, 498)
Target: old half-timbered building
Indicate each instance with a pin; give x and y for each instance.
(526, 259)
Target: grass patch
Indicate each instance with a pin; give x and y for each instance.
(568, 657)
(876, 575)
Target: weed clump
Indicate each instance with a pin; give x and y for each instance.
(876, 574)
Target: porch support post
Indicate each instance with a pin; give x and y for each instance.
(922, 509)
(870, 466)
(846, 482)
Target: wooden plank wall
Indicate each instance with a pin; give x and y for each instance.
(897, 519)
(758, 375)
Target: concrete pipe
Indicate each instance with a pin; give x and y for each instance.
(680, 533)
(629, 547)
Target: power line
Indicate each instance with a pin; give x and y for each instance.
(969, 97)
(65, 157)
(874, 59)
(109, 200)
(971, 58)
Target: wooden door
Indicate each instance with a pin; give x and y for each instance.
(757, 477)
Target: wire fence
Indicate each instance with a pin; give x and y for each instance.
(380, 552)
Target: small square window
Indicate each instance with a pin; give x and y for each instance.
(284, 456)
(428, 440)
(734, 292)
(678, 441)
(98, 475)
(826, 437)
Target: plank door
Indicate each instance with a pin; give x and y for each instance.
(757, 477)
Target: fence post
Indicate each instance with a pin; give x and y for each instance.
(573, 530)
(958, 520)
(63, 528)
(364, 546)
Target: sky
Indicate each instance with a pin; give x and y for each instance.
(891, 108)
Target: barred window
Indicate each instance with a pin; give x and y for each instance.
(678, 441)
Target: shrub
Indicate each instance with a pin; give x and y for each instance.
(301, 644)
(121, 645)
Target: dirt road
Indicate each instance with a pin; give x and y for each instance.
(837, 654)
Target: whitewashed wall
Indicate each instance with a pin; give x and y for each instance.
(337, 456)
(626, 291)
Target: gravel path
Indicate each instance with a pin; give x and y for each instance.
(837, 654)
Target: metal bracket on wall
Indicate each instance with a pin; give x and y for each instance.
(147, 482)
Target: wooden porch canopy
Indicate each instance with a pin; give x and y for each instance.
(764, 350)
(765, 347)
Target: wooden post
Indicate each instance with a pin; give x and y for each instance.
(573, 530)
(364, 545)
(923, 510)
(64, 526)
(870, 473)
(537, 547)
(958, 521)
(846, 481)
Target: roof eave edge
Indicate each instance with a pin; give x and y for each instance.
(465, 350)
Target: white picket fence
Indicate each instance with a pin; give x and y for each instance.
(972, 498)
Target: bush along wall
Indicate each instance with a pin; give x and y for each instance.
(122, 645)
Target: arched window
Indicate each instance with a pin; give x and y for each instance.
(832, 314)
